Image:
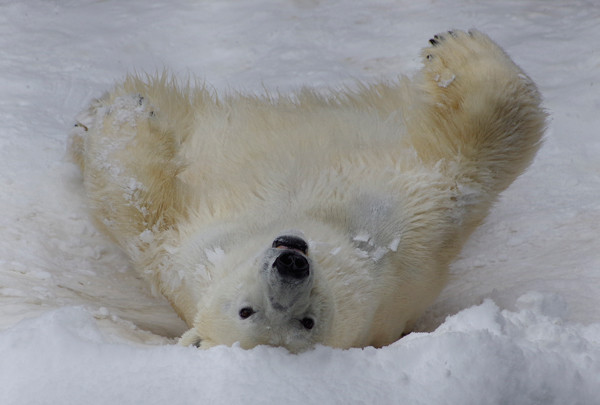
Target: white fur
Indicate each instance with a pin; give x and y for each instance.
(384, 183)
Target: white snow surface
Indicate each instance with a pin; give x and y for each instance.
(519, 322)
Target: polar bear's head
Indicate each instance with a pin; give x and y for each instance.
(274, 298)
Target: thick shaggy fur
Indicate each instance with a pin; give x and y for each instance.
(384, 183)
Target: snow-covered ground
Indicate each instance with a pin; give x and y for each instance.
(519, 322)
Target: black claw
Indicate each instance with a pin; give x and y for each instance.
(433, 42)
(79, 124)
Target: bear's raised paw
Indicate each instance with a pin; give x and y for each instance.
(460, 63)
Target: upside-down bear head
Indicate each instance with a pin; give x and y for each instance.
(275, 299)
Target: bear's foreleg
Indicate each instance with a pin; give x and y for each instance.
(480, 119)
(128, 150)
(484, 111)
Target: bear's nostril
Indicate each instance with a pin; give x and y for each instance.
(292, 265)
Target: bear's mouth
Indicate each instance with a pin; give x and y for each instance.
(291, 243)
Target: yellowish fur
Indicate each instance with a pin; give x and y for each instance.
(385, 182)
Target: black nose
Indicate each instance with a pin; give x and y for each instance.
(291, 264)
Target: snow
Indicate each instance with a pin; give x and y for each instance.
(482, 355)
(519, 322)
(215, 255)
(393, 246)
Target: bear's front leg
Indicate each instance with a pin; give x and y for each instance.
(129, 159)
(484, 113)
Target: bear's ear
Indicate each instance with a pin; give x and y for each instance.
(190, 338)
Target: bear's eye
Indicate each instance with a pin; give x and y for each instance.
(308, 323)
(246, 312)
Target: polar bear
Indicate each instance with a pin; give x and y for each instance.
(308, 219)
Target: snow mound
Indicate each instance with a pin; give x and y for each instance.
(482, 355)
